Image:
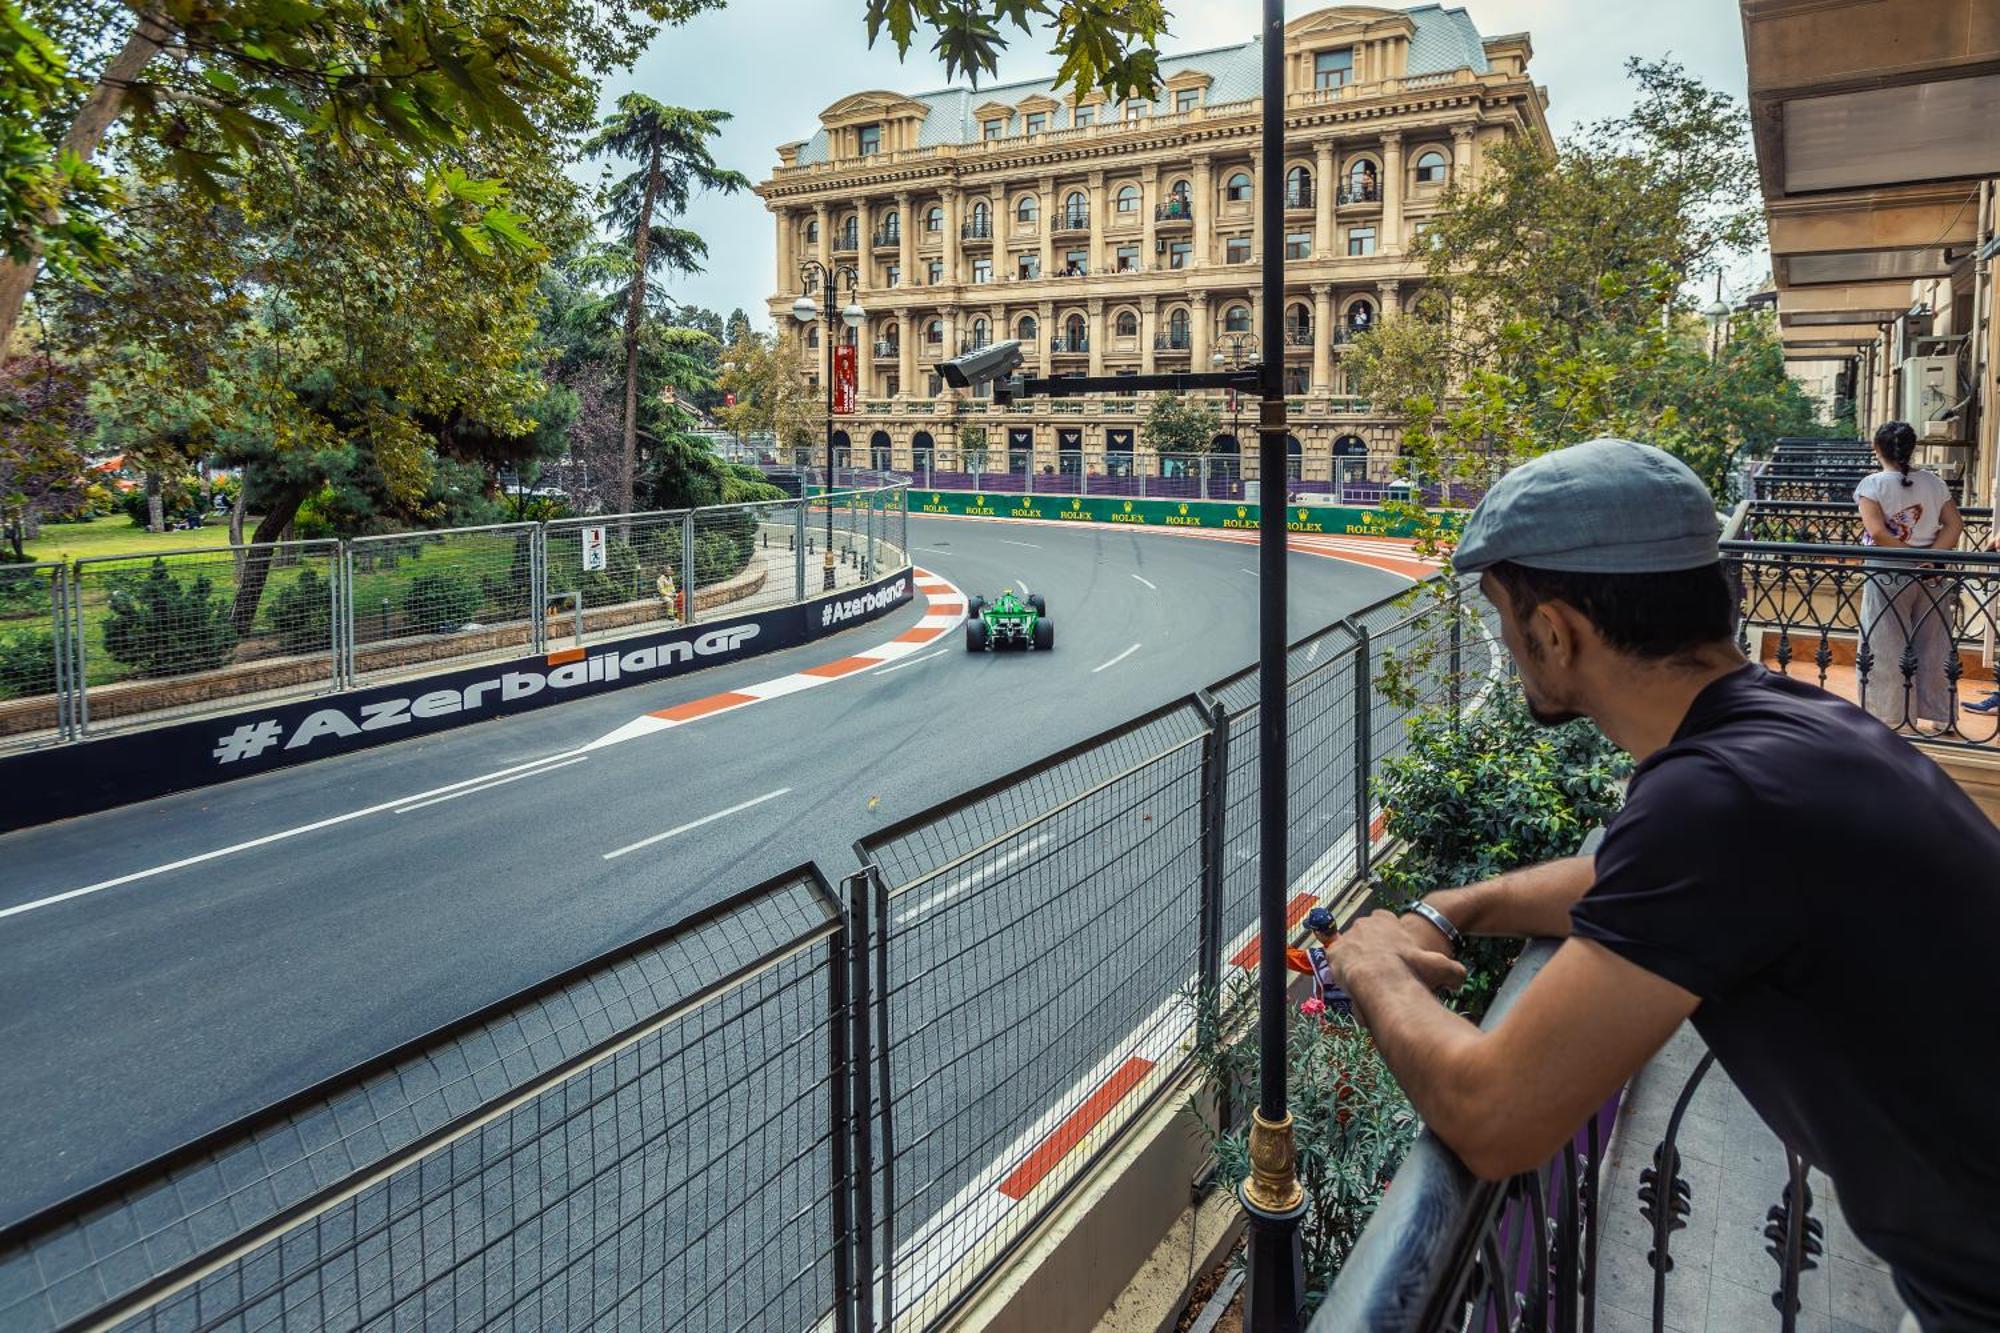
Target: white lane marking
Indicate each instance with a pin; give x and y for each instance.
(1148, 582)
(1251, 572)
(269, 838)
(1116, 660)
(1032, 546)
(697, 823)
(971, 879)
(474, 791)
(910, 662)
(1023, 585)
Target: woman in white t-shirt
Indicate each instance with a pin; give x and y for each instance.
(1902, 507)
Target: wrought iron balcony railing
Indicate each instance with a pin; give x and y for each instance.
(1299, 196)
(1064, 346)
(1360, 194)
(887, 347)
(1298, 335)
(1174, 210)
(846, 240)
(888, 236)
(1172, 341)
(1071, 219)
(977, 229)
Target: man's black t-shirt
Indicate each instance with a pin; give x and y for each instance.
(1834, 899)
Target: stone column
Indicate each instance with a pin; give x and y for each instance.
(824, 217)
(787, 270)
(1325, 185)
(1198, 331)
(906, 252)
(950, 320)
(1392, 193)
(1094, 309)
(1047, 193)
(1045, 329)
(1204, 210)
(906, 355)
(1149, 199)
(952, 244)
(1096, 260)
(1462, 169)
(1149, 328)
(1390, 294)
(1322, 294)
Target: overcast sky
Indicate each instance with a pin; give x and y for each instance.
(776, 64)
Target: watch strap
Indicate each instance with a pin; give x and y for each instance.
(1441, 921)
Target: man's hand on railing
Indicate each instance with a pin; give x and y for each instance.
(1383, 940)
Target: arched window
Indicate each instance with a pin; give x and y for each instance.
(981, 213)
(1128, 199)
(1180, 189)
(979, 331)
(1298, 187)
(1361, 181)
(1076, 201)
(1025, 330)
(934, 331)
(892, 222)
(812, 231)
(1128, 324)
(1298, 323)
(1025, 209)
(934, 218)
(812, 335)
(1073, 331)
(1177, 325)
(1361, 314)
(1237, 319)
(1432, 168)
(880, 455)
(1238, 189)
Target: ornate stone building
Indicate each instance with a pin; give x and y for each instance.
(1121, 238)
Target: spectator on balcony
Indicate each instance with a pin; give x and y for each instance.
(1991, 703)
(1748, 886)
(1905, 507)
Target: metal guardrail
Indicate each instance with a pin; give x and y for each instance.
(118, 642)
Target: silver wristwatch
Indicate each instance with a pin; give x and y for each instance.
(1441, 921)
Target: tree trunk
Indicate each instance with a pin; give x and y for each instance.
(14, 537)
(156, 518)
(257, 562)
(641, 244)
(100, 110)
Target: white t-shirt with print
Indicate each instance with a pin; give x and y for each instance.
(1914, 512)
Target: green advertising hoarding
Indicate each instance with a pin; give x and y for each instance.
(1209, 514)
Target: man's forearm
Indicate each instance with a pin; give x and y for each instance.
(1427, 1047)
(1531, 901)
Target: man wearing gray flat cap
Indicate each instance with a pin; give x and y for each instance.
(1802, 884)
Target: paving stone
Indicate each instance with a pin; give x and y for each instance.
(1732, 1307)
(1865, 1296)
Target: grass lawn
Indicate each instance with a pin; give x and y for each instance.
(116, 535)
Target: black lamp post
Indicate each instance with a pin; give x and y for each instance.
(813, 273)
(1274, 1297)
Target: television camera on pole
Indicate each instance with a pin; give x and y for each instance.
(997, 363)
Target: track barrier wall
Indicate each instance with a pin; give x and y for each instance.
(804, 1109)
(1204, 514)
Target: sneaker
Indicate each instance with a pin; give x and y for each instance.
(1990, 704)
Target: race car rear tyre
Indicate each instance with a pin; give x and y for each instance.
(1041, 606)
(974, 607)
(975, 636)
(1045, 635)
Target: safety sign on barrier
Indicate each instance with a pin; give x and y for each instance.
(593, 549)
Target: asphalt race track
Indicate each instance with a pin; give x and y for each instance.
(135, 1017)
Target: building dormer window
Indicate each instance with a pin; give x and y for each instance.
(1038, 121)
(869, 137)
(1137, 110)
(995, 128)
(1083, 116)
(1333, 69)
(1187, 99)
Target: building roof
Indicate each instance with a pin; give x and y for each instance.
(1445, 40)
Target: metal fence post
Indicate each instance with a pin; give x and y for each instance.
(689, 616)
(841, 1136)
(1364, 731)
(59, 648)
(335, 594)
(79, 664)
(799, 552)
(1214, 839)
(538, 586)
(1457, 656)
(879, 1001)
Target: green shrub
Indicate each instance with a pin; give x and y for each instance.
(1494, 794)
(160, 625)
(27, 664)
(437, 603)
(1351, 1124)
(301, 614)
(721, 553)
(23, 594)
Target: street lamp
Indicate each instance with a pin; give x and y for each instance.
(1241, 351)
(805, 310)
(1716, 312)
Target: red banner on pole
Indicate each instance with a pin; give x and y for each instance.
(843, 379)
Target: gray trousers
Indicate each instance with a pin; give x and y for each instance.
(1899, 612)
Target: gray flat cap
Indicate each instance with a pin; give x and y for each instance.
(1601, 507)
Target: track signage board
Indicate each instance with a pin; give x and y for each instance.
(1210, 514)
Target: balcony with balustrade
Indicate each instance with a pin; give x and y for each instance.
(888, 238)
(977, 233)
(1174, 214)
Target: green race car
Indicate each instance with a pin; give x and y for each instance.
(1008, 622)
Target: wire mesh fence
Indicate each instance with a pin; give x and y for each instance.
(421, 596)
(604, 575)
(737, 565)
(1069, 954)
(175, 634)
(36, 655)
(655, 1139)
